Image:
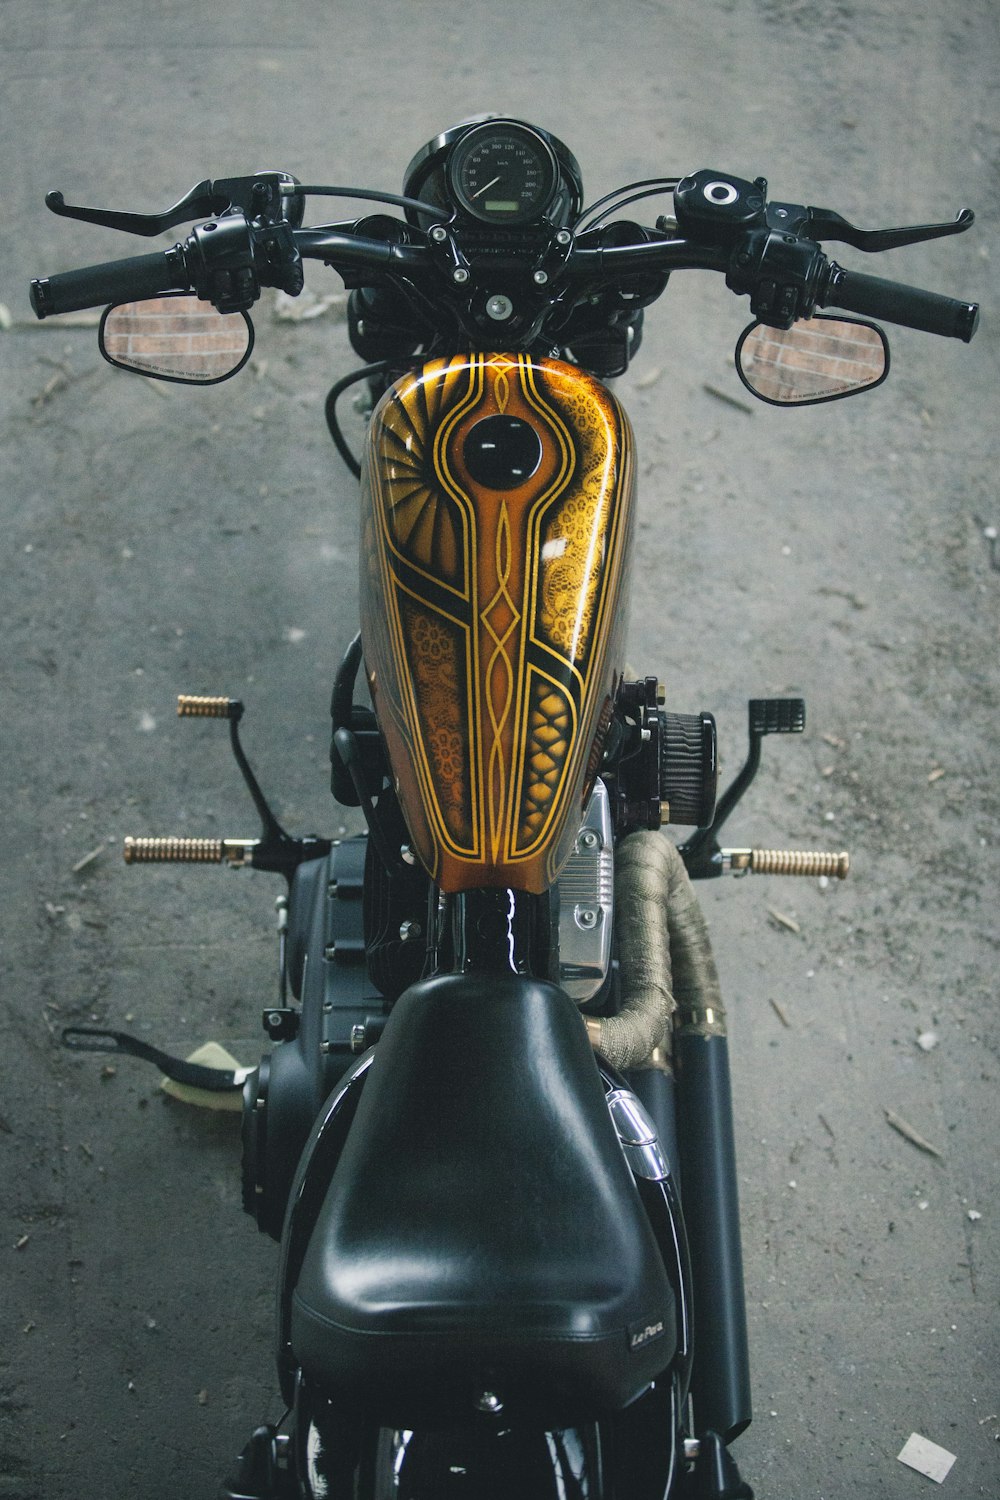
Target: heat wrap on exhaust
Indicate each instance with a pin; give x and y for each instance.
(665, 958)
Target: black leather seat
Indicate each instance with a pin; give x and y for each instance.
(482, 1232)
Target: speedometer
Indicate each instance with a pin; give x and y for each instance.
(502, 173)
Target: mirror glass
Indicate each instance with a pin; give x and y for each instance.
(176, 338)
(817, 359)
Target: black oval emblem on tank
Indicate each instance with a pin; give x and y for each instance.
(502, 452)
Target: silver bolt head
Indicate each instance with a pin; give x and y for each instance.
(563, 237)
(589, 839)
(408, 930)
(499, 308)
(460, 275)
(439, 233)
(585, 917)
(489, 1402)
(541, 278)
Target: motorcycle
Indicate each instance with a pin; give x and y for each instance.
(493, 1136)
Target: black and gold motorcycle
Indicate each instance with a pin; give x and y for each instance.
(493, 1135)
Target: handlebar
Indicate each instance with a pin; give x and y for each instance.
(259, 260)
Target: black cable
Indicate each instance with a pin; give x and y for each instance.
(330, 410)
(615, 200)
(317, 191)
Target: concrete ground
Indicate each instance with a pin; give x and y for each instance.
(160, 540)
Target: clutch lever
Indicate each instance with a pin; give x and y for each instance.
(261, 196)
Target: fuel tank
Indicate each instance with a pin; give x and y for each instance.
(496, 530)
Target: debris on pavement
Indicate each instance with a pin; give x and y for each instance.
(713, 390)
(926, 1457)
(210, 1055)
(643, 382)
(308, 305)
(906, 1130)
(88, 859)
(927, 1041)
(782, 920)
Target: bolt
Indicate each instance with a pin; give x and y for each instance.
(586, 917)
(499, 308)
(563, 237)
(407, 855)
(357, 1038)
(460, 275)
(409, 930)
(540, 278)
(274, 1019)
(490, 1403)
(330, 950)
(439, 234)
(588, 839)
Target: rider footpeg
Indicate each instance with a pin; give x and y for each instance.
(787, 862)
(153, 851)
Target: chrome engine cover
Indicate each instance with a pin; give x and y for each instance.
(586, 903)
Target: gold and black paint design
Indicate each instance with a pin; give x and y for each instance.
(493, 618)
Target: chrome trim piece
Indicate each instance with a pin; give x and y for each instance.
(637, 1135)
(586, 903)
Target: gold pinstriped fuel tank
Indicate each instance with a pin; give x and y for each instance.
(496, 525)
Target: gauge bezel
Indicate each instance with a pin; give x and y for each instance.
(475, 139)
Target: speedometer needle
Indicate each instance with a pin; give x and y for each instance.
(486, 189)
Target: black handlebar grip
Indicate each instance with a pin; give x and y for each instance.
(874, 297)
(115, 281)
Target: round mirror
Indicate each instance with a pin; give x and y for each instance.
(817, 359)
(176, 338)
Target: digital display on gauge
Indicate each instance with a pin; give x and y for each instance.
(502, 174)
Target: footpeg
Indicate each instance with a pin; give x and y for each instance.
(191, 707)
(275, 850)
(192, 851)
(786, 862)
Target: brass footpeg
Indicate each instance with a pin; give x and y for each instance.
(153, 851)
(191, 707)
(786, 862)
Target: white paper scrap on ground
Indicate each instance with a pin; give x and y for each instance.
(926, 1457)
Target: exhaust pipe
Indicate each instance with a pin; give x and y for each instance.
(671, 1001)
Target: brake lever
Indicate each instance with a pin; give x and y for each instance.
(824, 224)
(261, 196)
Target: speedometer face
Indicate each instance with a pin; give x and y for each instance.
(502, 174)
